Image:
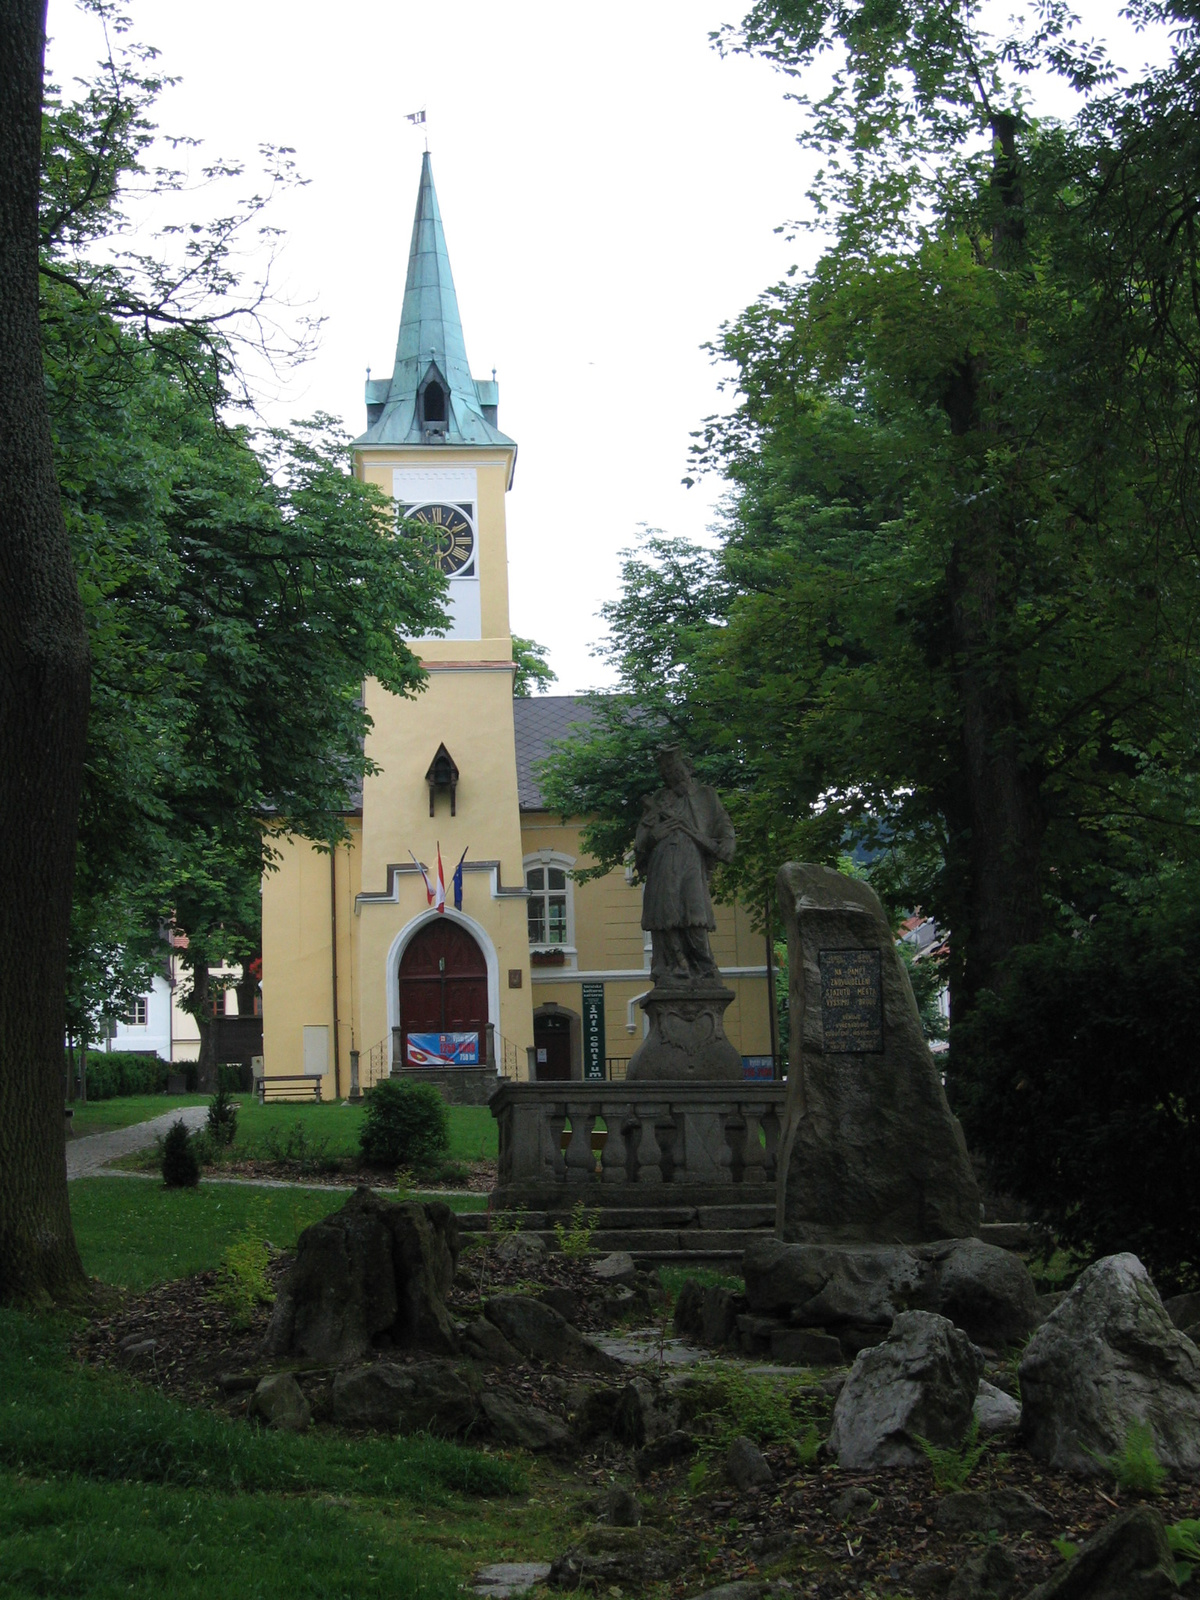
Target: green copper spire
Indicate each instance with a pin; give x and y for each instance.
(431, 397)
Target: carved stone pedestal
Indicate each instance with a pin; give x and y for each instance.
(686, 1042)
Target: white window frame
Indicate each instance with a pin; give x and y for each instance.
(133, 1020)
(555, 858)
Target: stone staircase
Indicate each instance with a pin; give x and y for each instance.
(712, 1236)
(658, 1235)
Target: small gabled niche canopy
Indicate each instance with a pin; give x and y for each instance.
(433, 401)
(442, 774)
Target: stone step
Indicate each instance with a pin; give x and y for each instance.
(743, 1216)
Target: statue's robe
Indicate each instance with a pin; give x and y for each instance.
(675, 867)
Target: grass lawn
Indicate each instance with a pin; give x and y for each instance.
(134, 1233)
(473, 1133)
(108, 1488)
(102, 1116)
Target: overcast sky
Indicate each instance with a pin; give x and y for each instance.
(611, 191)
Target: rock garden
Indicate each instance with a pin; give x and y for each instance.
(875, 1421)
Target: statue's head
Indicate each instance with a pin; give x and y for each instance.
(674, 766)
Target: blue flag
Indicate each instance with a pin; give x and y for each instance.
(458, 871)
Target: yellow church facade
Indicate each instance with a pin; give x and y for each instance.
(516, 968)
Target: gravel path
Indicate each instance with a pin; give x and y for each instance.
(88, 1154)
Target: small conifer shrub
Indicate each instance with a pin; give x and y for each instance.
(180, 1168)
(405, 1126)
(222, 1118)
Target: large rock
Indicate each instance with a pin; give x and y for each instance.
(870, 1147)
(1129, 1559)
(441, 1397)
(371, 1276)
(921, 1381)
(515, 1421)
(604, 1557)
(996, 1413)
(279, 1402)
(537, 1330)
(986, 1291)
(1108, 1359)
(706, 1313)
(988, 1574)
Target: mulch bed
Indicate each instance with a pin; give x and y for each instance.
(791, 1530)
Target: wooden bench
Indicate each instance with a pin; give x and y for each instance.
(289, 1086)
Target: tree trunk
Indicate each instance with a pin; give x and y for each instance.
(201, 1008)
(43, 721)
(1003, 820)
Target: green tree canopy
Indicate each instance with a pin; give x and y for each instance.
(239, 584)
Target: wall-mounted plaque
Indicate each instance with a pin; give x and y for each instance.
(851, 1001)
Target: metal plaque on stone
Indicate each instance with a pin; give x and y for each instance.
(851, 1001)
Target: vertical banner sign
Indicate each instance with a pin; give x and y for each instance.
(593, 1032)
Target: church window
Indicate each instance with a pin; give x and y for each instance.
(434, 403)
(547, 905)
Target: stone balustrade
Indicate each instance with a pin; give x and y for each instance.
(627, 1143)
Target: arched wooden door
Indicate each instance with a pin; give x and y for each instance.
(443, 987)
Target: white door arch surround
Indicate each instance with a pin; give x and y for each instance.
(401, 942)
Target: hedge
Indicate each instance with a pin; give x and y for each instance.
(122, 1072)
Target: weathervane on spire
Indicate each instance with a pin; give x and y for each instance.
(418, 119)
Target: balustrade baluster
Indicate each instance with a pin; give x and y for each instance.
(753, 1156)
(580, 1160)
(614, 1160)
(555, 1122)
(649, 1168)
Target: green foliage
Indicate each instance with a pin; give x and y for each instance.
(952, 1468)
(933, 627)
(242, 1281)
(1136, 1466)
(298, 1148)
(180, 1164)
(405, 1125)
(1184, 1539)
(60, 1417)
(1067, 1548)
(575, 1238)
(123, 1072)
(729, 1403)
(808, 1446)
(534, 675)
(1080, 1082)
(238, 586)
(222, 1118)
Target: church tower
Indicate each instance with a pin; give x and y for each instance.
(397, 971)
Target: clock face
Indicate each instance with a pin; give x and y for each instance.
(454, 542)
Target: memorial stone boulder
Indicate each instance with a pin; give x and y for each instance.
(871, 1151)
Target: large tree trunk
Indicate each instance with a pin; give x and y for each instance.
(43, 721)
(1003, 821)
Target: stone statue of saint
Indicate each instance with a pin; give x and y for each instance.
(683, 832)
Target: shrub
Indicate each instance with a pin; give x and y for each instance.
(235, 1077)
(304, 1152)
(222, 1118)
(123, 1072)
(1080, 1084)
(180, 1168)
(242, 1282)
(405, 1126)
